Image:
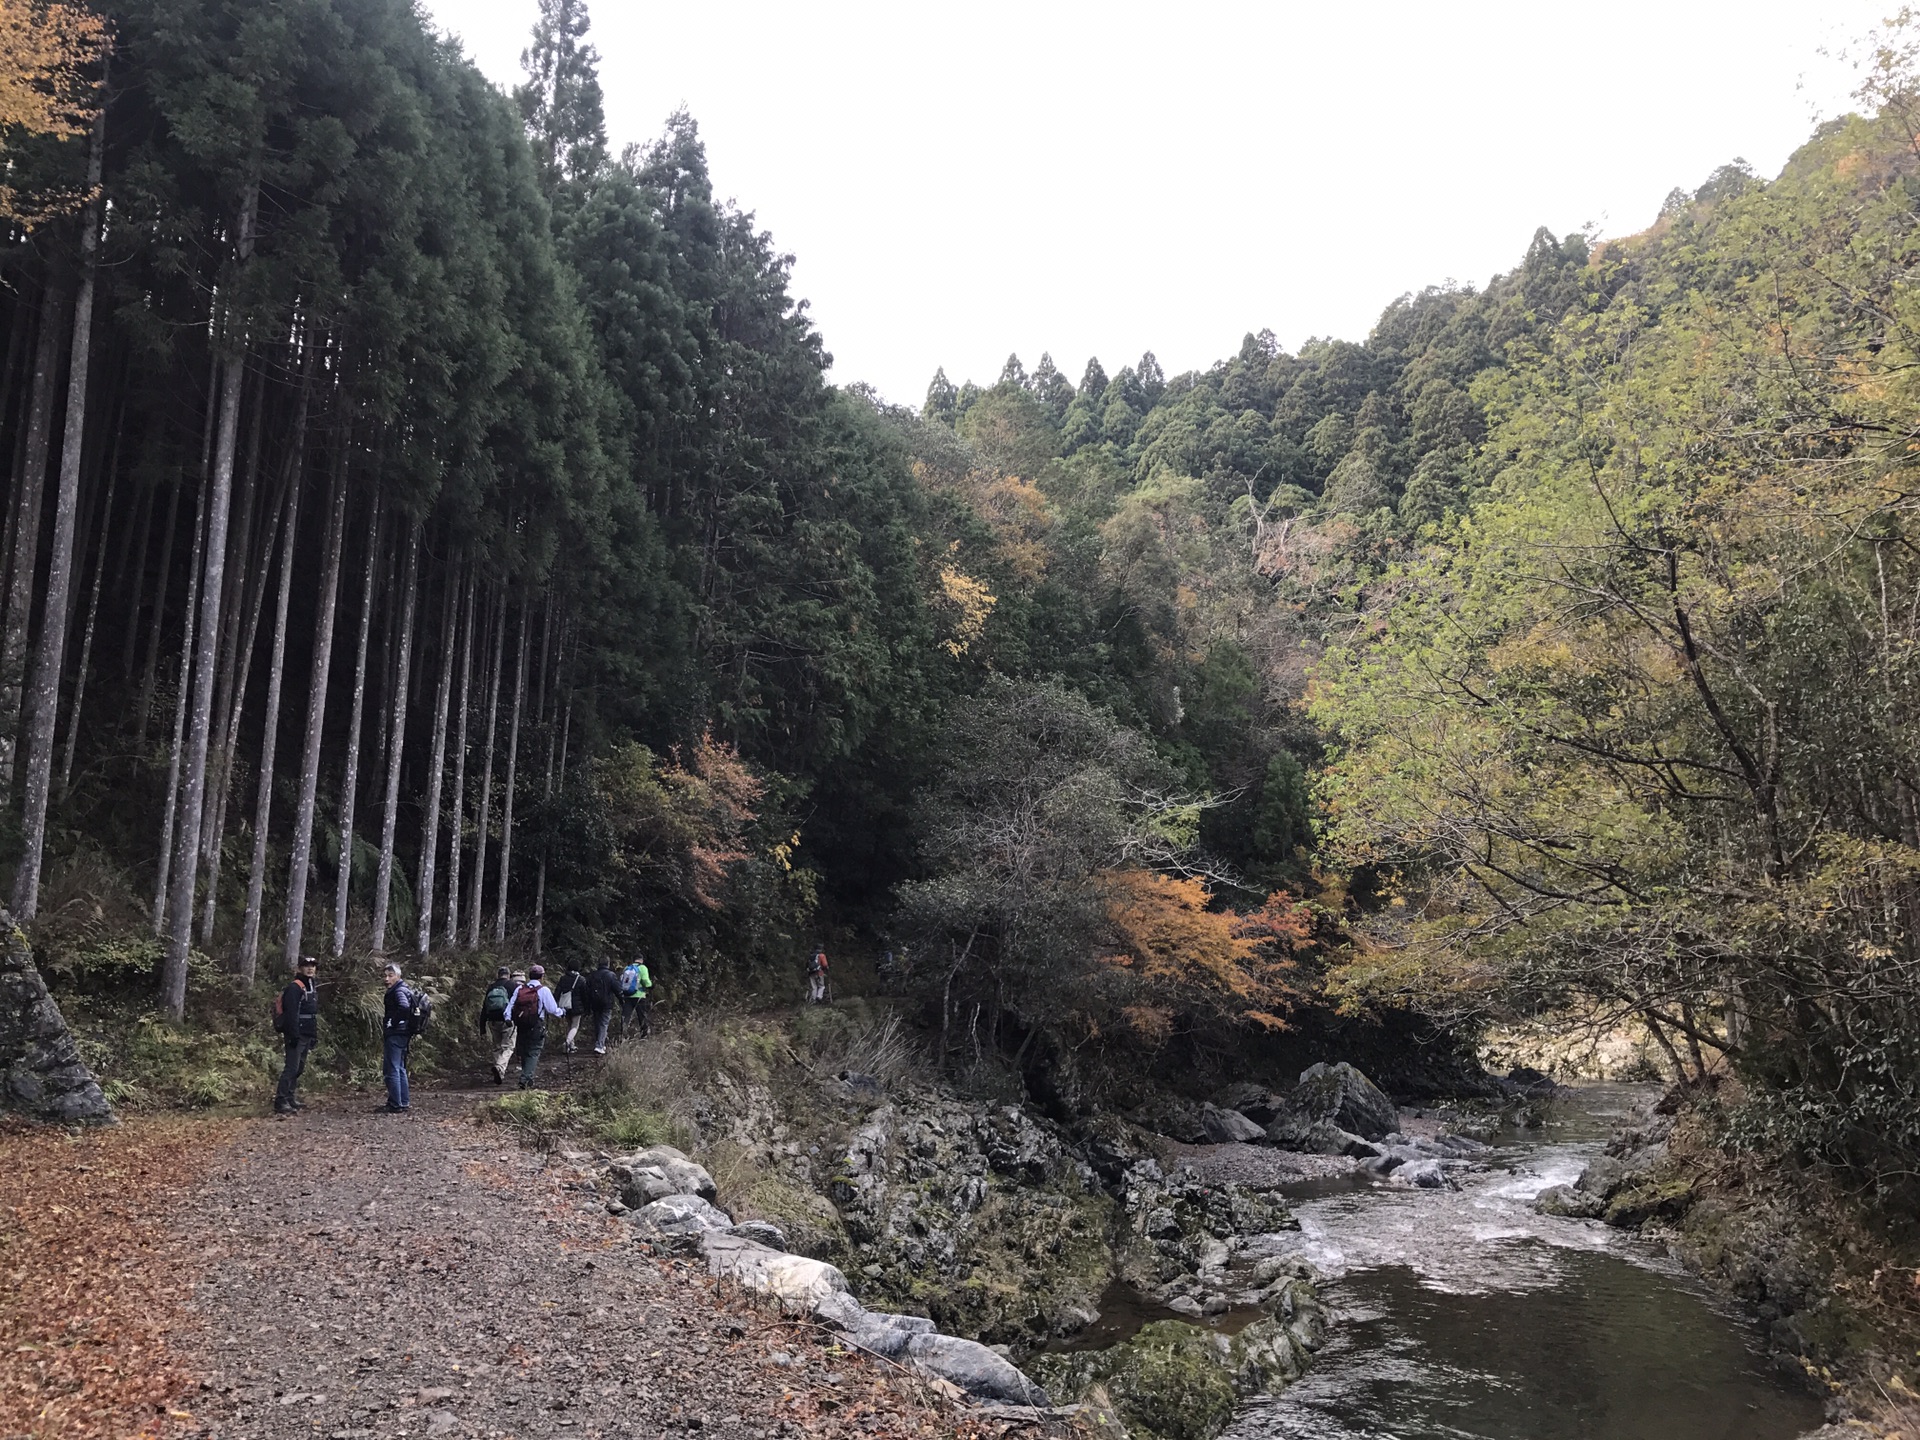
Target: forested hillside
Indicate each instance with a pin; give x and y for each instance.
(430, 531)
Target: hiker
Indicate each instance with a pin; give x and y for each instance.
(532, 1004)
(601, 990)
(817, 976)
(635, 984)
(296, 1016)
(401, 1004)
(493, 1024)
(571, 1000)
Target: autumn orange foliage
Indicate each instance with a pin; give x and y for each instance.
(94, 1276)
(1187, 957)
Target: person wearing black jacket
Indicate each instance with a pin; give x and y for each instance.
(602, 990)
(300, 1028)
(398, 1021)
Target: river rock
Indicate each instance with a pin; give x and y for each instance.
(1340, 1094)
(657, 1172)
(1175, 1117)
(1421, 1175)
(797, 1284)
(1228, 1126)
(678, 1222)
(875, 1331)
(973, 1367)
(1569, 1203)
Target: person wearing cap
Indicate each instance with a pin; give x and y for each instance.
(494, 1026)
(300, 1026)
(532, 1004)
(398, 1037)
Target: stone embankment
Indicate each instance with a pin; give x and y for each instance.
(975, 1244)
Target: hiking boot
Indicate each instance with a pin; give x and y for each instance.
(282, 1108)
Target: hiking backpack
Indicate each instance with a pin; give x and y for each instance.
(421, 1013)
(279, 1013)
(526, 1004)
(630, 980)
(494, 1007)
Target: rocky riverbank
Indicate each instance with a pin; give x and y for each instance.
(983, 1243)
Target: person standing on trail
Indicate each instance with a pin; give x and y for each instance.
(398, 1023)
(600, 990)
(296, 1015)
(817, 976)
(572, 1002)
(494, 1027)
(532, 1004)
(635, 984)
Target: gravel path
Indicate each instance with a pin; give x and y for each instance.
(374, 1275)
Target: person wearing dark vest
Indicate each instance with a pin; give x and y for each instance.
(299, 1019)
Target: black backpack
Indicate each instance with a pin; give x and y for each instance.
(421, 1013)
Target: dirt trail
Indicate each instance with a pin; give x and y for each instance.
(375, 1275)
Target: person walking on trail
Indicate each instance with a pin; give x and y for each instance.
(399, 1024)
(600, 990)
(571, 999)
(532, 1004)
(296, 1015)
(817, 976)
(495, 1029)
(635, 983)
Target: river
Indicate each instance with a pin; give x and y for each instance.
(1462, 1315)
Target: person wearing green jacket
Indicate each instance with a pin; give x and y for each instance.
(635, 982)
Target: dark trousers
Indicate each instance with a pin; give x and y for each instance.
(395, 1069)
(298, 1049)
(530, 1041)
(633, 1011)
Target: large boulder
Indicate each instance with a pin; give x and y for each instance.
(657, 1172)
(1225, 1127)
(875, 1331)
(1340, 1095)
(1569, 1203)
(41, 1073)
(794, 1282)
(973, 1367)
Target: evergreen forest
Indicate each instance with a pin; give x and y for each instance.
(431, 533)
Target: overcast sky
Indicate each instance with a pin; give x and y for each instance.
(958, 182)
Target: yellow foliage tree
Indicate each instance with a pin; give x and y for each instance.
(45, 52)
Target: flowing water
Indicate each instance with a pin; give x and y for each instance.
(1462, 1315)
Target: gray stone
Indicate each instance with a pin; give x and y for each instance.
(1343, 1096)
(657, 1172)
(1421, 1175)
(800, 1286)
(1569, 1203)
(974, 1368)
(761, 1232)
(1228, 1126)
(43, 1077)
(678, 1222)
(1256, 1102)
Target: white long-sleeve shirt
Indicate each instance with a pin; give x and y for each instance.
(548, 1005)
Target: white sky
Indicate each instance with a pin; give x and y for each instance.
(959, 182)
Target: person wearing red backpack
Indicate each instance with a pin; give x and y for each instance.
(531, 1005)
(296, 1015)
